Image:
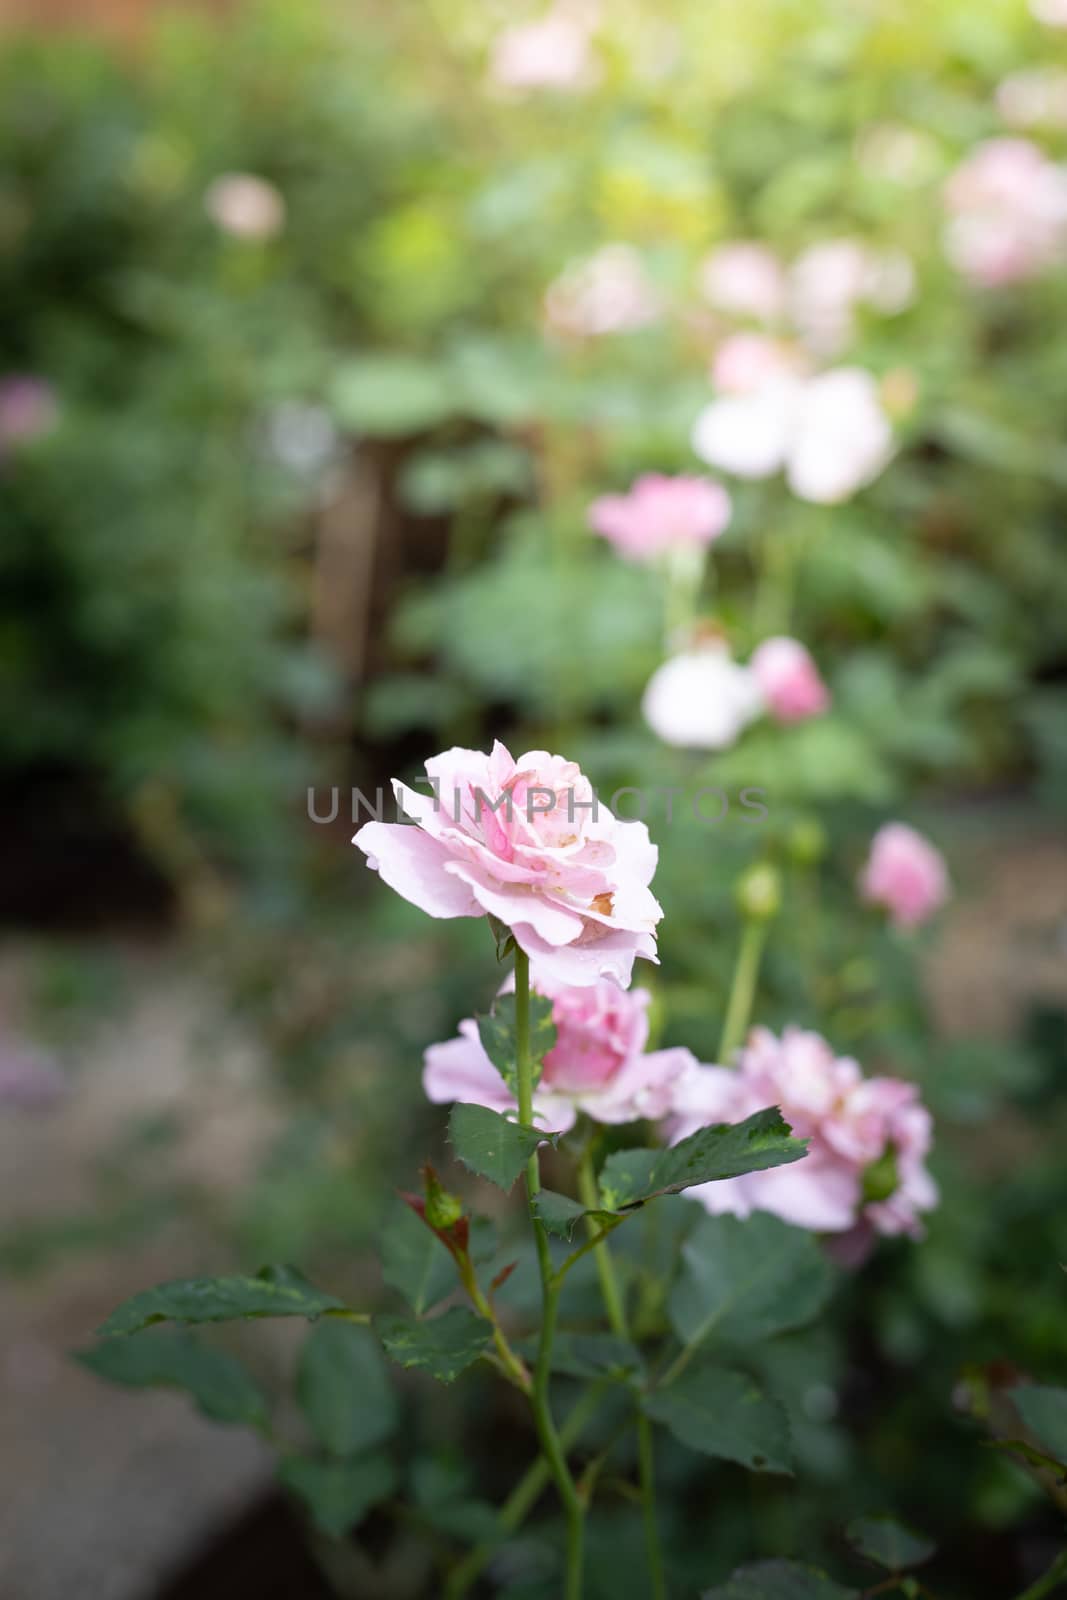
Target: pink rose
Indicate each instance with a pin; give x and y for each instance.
(905, 874)
(747, 361)
(789, 680)
(597, 1064)
(1007, 205)
(552, 52)
(607, 292)
(661, 514)
(528, 842)
(865, 1168)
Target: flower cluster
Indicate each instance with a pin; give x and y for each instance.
(703, 699)
(865, 1166)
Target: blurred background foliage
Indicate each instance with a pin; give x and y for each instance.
(308, 503)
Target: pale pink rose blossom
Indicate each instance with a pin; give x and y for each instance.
(828, 281)
(1007, 205)
(746, 362)
(1034, 98)
(245, 206)
(608, 292)
(853, 1123)
(661, 514)
(744, 279)
(906, 874)
(789, 680)
(527, 842)
(551, 52)
(597, 1066)
(701, 699)
(830, 433)
(28, 410)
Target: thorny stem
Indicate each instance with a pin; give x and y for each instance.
(551, 1286)
(615, 1306)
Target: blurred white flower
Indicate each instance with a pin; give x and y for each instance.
(701, 699)
(744, 279)
(245, 206)
(552, 52)
(829, 433)
(608, 292)
(1007, 205)
(1034, 98)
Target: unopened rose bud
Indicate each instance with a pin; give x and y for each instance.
(443, 1210)
(759, 892)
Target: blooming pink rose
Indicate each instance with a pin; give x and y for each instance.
(853, 1124)
(528, 842)
(597, 1064)
(1007, 205)
(905, 874)
(744, 279)
(789, 680)
(661, 514)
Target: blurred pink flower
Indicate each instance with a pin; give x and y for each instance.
(1036, 97)
(552, 52)
(1007, 205)
(30, 1080)
(27, 409)
(245, 206)
(869, 1137)
(830, 433)
(745, 362)
(608, 292)
(659, 514)
(744, 279)
(1051, 12)
(701, 699)
(597, 1064)
(905, 874)
(789, 680)
(527, 842)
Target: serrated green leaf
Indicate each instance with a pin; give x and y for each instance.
(889, 1543)
(779, 1580)
(442, 1346)
(497, 1033)
(414, 1261)
(218, 1384)
(343, 1388)
(492, 1146)
(339, 1494)
(273, 1292)
(1044, 1410)
(560, 1214)
(727, 1150)
(721, 1412)
(747, 1279)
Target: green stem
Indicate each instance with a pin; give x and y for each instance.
(743, 988)
(1049, 1581)
(573, 1508)
(615, 1306)
(522, 1499)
